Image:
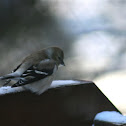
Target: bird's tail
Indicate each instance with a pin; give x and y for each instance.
(8, 80)
(9, 76)
(4, 82)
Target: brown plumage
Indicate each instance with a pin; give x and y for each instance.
(37, 67)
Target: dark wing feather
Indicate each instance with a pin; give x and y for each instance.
(36, 72)
(16, 67)
(9, 80)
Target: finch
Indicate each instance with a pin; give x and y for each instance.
(36, 72)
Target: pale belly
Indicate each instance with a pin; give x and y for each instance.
(40, 86)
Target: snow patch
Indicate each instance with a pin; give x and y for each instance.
(111, 117)
(55, 83)
(8, 89)
(59, 83)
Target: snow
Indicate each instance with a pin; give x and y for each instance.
(56, 83)
(111, 117)
(8, 89)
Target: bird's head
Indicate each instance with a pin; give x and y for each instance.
(56, 54)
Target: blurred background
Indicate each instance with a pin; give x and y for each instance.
(91, 33)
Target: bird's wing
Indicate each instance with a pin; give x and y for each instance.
(17, 72)
(36, 72)
(16, 68)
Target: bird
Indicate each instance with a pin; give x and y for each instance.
(36, 71)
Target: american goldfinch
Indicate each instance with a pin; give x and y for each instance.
(36, 71)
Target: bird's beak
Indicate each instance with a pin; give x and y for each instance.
(62, 62)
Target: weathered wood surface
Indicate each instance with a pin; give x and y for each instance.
(73, 105)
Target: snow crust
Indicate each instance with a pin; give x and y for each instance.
(55, 84)
(111, 117)
(58, 83)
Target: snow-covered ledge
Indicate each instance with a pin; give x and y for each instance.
(66, 103)
(55, 84)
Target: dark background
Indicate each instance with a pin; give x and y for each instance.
(91, 33)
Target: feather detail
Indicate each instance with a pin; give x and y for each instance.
(36, 73)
